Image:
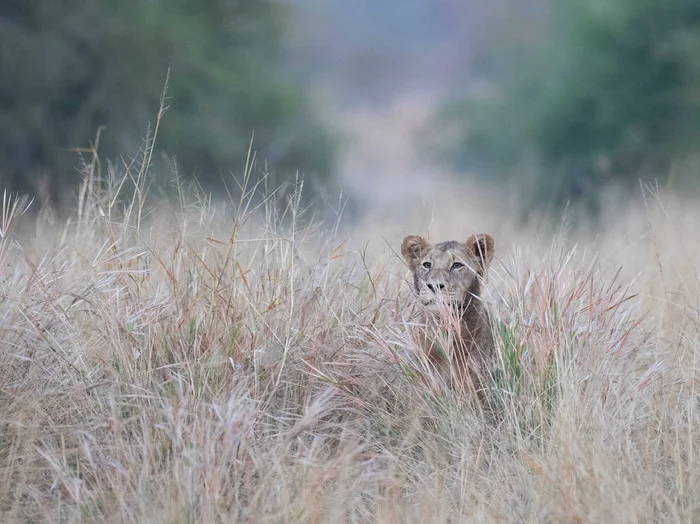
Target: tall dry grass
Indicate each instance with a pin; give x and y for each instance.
(241, 363)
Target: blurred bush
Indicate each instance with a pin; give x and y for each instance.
(69, 67)
(609, 94)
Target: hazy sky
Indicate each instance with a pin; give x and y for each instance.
(369, 49)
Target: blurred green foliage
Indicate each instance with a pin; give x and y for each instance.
(611, 93)
(69, 67)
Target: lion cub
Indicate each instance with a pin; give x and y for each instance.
(447, 280)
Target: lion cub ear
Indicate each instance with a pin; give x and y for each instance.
(482, 246)
(413, 248)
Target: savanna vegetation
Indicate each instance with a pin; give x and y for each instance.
(192, 362)
(594, 95)
(171, 354)
(78, 76)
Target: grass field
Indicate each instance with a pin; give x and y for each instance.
(195, 362)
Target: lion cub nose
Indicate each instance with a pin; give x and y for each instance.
(435, 287)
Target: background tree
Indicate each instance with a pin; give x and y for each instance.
(68, 67)
(611, 92)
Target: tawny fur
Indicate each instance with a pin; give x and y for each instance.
(447, 281)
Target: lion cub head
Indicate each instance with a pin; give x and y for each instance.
(448, 272)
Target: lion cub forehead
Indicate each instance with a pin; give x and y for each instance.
(447, 250)
(443, 247)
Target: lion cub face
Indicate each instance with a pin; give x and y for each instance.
(448, 272)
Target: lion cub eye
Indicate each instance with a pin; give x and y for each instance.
(427, 265)
(457, 265)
